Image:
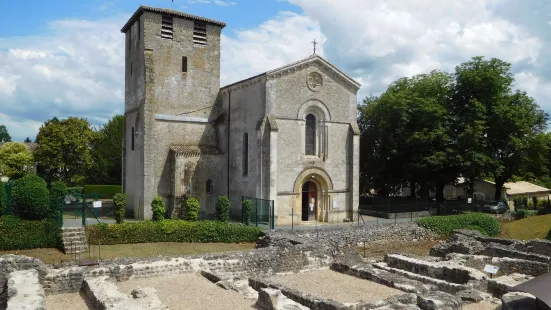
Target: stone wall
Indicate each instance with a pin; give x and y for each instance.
(353, 235)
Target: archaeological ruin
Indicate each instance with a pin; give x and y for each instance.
(293, 270)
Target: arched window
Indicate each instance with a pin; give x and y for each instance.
(209, 186)
(245, 154)
(132, 138)
(310, 137)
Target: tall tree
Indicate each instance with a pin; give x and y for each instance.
(501, 127)
(63, 151)
(107, 153)
(16, 160)
(27, 140)
(4, 135)
(406, 134)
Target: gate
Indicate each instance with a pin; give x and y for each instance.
(262, 213)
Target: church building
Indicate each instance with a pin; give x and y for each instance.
(288, 135)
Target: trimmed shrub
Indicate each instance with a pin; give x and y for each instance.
(191, 209)
(247, 206)
(3, 197)
(57, 190)
(74, 190)
(445, 225)
(171, 231)
(31, 198)
(18, 234)
(119, 200)
(158, 208)
(223, 209)
(104, 191)
(524, 213)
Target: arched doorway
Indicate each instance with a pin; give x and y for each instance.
(309, 201)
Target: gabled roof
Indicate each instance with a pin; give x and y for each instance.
(144, 8)
(523, 187)
(306, 61)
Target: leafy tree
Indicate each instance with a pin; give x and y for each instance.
(27, 140)
(4, 135)
(16, 160)
(512, 122)
(406, 137)
(106, 165)
(3, 197)
(63, 151)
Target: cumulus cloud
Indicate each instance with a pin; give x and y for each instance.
(78, 69)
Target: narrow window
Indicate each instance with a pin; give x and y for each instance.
(131, 67)
(209, 186)
(245, 154)
(132, 138)
(310, 146)
(184, 64)
(200, 33)
(166, 28)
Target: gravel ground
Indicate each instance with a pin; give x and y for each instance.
(190, 292)
(483, 305)
(343, 288)
(70, 301)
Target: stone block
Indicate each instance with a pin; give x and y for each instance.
(24, 291)
(439, 301)
(273, 299)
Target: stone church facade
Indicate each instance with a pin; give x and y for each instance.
(288, 135)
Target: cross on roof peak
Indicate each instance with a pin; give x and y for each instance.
(315, 43)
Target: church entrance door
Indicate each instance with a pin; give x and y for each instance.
(309, 201)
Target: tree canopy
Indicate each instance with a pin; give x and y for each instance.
(106, 165)
(64, 149)
(4, 135)
(426, 131)
(16, 160)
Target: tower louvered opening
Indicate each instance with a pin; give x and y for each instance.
(200, 33)
(167, 29)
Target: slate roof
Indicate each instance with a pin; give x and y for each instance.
(194, 150)
(144, 8)
(523, 187)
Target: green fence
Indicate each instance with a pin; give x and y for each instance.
(262, 213)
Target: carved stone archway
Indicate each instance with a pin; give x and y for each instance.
(323, 186)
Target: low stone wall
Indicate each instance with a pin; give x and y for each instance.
(397, 215)
(24, 291)
(352, 235)
(506, 265)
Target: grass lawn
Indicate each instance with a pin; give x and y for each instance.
(54, 256)
(528, 228)
(378, 249)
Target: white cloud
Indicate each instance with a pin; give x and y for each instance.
(79, 68)
(18, 128)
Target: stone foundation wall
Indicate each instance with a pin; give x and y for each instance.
(352, 235)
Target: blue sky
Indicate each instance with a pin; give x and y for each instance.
(66, 58)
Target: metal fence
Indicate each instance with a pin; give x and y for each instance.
(262, 214)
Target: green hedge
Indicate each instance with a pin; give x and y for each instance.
(31, 198)
(104, 191)
(548, 235)
(3, 197)
(445, 225)
(74, 190)
(172, 231)
(18, 234)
